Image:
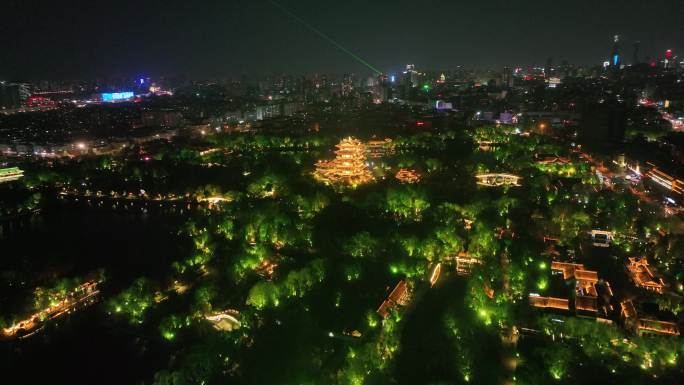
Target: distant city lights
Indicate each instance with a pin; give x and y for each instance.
(117, 96)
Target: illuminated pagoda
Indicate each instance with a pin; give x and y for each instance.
(407, 176)
(348, 167)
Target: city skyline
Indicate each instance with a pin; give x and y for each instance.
(215, 39)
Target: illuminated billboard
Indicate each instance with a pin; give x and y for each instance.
(112, 97)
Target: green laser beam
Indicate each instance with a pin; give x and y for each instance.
(324, 36)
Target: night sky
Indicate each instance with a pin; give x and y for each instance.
(202, 39)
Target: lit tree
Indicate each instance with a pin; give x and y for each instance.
(361, 245)
(263, 294)
(570, 220)
(406, 202)
(134, 301)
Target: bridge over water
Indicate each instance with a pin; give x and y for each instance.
(500, 179)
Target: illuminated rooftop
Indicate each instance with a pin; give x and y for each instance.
(643, 275)
(657, 327)
(627, 309)
(407, 176)
(551, 159)
(646, 325)
(549, 302)
(586, 275)
(348, 167)
(568, 269)
(10, 174)
(465, 263)
(398, 296)
(669, 182)
(586, 303)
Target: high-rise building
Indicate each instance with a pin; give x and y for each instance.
(384, 89)
(409, 81)
(347, 84)
(13, 95)
(668, 58)
(412, 75)
(507, 76)
(548, 68)
(615, 55)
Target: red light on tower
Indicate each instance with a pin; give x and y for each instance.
(668, 54)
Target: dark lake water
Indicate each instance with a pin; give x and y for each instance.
(73, 239)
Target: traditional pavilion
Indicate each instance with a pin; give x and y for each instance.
(407, 176)
(398, 297)
(550, 159)
(567, 269)
(464, 263)
(266, 269)
(349, 166)
(646, 325)
(644, 276)
(586, 294)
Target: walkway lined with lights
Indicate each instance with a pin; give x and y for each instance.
(81, 295)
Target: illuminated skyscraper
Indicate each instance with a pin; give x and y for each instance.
(384, 90)
(411, 75)
(347, 84)
(668, 59)
(615, 56)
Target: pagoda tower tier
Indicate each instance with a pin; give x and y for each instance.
(349, 166)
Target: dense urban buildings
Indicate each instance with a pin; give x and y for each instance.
(382, 219)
